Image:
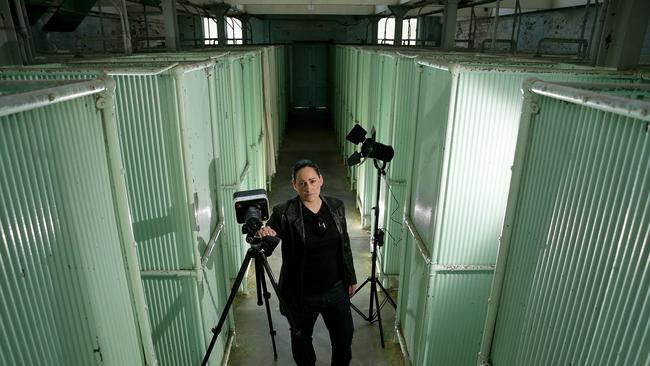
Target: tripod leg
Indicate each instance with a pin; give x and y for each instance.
(361, 314)
(267, 295)
(290, 317)
(381, 329)
(373, 294)
(392, 302)
(287, 310)
(361, 286)
(258, 282)
(224, 313)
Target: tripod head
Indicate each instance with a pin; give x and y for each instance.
(266, 244)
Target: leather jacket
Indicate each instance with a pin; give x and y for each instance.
(287, 221)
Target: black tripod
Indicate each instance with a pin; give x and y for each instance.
(256, 251)
(377, 241)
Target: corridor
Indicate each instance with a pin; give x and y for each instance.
(317, 142)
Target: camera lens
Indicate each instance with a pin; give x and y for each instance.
(253, 219)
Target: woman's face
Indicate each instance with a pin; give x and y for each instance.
(307, 184)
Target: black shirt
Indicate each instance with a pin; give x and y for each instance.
(323, 267)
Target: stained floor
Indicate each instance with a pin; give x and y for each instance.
(310, 137)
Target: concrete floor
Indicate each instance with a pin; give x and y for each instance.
(253, 341)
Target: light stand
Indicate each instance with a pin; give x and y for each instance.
(256, 252)
(377, 241)
(381, 155)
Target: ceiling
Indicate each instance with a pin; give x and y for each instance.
(260, 8)
(368, 7)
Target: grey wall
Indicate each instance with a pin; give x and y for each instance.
(190, 28)
(86, 38)
(287, 29)
(147, 34)
(645, 50)
(564, 23)
(429, 31)
(9, 48)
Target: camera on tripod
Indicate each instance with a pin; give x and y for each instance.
(251, 209)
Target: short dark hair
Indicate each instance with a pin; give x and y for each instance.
(302, 164)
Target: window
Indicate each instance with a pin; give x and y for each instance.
(210, 34)
(409, 31)
(234, 31)
(386, 31)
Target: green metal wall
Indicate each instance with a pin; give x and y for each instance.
(390, 210)
(403, 128)
(165, 129)
(459, 207)
(66, 292)
(575, 288)
(456, 117)
(192, 131)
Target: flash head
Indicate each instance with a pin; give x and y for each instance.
(370, 148)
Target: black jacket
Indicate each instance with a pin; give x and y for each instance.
(286, 220)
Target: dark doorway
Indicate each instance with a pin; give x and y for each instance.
(309, 64)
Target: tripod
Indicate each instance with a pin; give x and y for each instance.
(377, 241)
(256, 252)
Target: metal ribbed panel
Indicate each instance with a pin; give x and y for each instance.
(150, 142)
(175, 320)
(414, 284)
(577, 281)
(454, 317)
(403, 126)
(200, 149)
(232, 162)
(483, 133)
(393, 197)
(61, 243)
(165, 122)
(237, 114)
(271, 122)
(482, 145)
(433, 104)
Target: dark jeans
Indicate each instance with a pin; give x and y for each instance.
(334, 306)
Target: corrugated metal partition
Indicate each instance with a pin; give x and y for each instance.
(466, 130)
(235, 164)
(271, 123)
(71, 293)
(165, 120)
(577, 282)
(248, 102)
(400, 115)
(283, 97)
(254, 102)
(390, 207)
(268, 67)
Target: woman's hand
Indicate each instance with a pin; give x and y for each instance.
(266, 231)
(351, 289)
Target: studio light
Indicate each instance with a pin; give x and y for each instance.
(370, 148)
(381, 155)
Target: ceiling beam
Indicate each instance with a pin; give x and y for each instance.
(307, 9)
(313, 2)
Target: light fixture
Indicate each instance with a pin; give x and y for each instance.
(370, 148)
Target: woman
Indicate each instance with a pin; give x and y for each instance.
(317, 275)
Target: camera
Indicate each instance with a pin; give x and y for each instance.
(251, 208)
